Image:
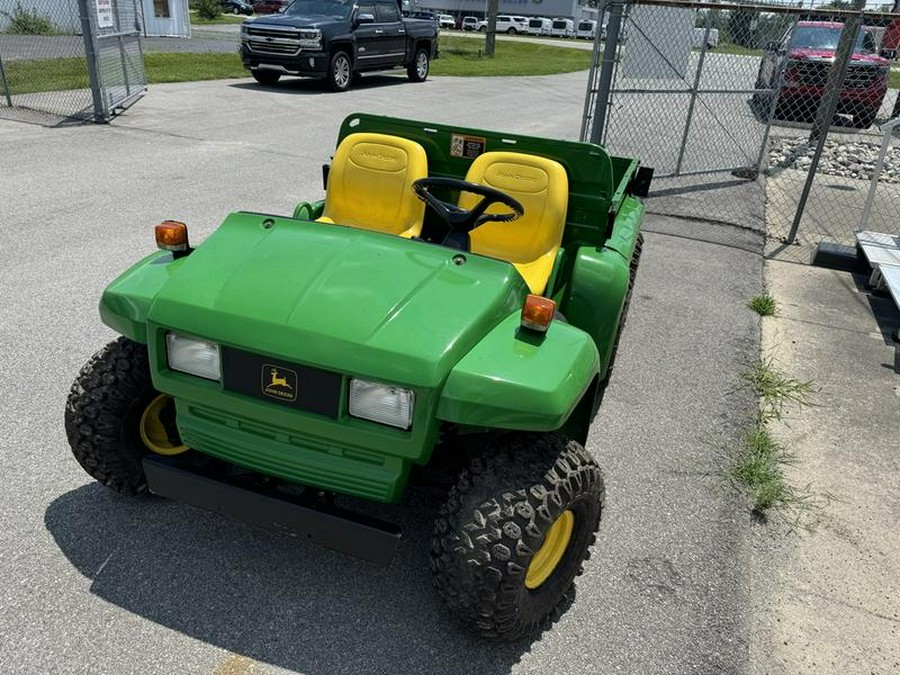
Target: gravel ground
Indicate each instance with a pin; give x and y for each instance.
(841, 157)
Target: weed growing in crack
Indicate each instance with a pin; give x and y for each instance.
(764, 305)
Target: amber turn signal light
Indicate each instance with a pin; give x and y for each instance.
(537, 313)
(172, 236)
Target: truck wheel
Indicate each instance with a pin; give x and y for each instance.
(340, 72)
(514, 531)
(511, 31)
(114, 417)
(863, 118)
(417, 71)
(267, 77)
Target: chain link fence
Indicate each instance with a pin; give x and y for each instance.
(763, 116)
(69, 60)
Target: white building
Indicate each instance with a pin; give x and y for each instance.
(564, 9)
(166, 18)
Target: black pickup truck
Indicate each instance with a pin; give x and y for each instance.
(336, 39)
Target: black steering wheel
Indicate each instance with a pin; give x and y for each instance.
(462, 220)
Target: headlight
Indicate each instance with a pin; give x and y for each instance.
(310, 39)
(381, 403)
(244, 30)
(192, 356)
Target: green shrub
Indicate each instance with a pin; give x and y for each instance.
(209, 9)
(28, 22)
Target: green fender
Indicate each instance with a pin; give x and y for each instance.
(513, 379)
(126, 302)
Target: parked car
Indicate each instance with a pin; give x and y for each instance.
(804, 55)
(564, 28)
(587, 29)
(334, 40)
(470, 23)
(507, 24)
(237, 7)
(539, 26)
(447, 21)
(426, 15)
(269, 6)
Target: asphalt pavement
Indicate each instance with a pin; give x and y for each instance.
(98, 583)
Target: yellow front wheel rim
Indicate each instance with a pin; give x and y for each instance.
(552, 550)
(153, 432)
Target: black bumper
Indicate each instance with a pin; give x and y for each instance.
(304, 64)
(324, 524)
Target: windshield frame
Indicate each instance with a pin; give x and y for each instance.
(319, 7)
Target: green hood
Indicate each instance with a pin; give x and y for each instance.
(343, 299)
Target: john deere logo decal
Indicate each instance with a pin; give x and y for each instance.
(280, 383)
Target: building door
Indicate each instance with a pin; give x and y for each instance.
(167, 18)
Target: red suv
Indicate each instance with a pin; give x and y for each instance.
(807, 51)
(269, 6)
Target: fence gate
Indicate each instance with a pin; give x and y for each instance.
(802, 102)
(675, 98)
(69, 59)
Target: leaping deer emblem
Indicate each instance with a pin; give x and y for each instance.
(278, 381)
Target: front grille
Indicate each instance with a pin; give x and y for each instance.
(860, 77)
(812, 74)
(273, 41)
(815, 74)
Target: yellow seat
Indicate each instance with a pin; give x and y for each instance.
(531, 242)
(370, 184)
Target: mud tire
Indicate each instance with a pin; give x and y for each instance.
(103, 414)
(495, 519)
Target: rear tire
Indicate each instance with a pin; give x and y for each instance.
(511, 31)
(497, 559)
(417, 71)
(340, 72)
(267, 77)
(103, 414)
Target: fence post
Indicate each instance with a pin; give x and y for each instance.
(827, 108)
(690, 114)
(591, 93)
(5, 83)
(90, 52)
(601, 103)
(491, 29)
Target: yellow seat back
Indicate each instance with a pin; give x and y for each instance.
(531, 242)
(370, 184)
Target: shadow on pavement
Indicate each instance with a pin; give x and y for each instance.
(306, 86)
(268, 596)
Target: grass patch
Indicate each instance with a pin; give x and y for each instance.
(459, 56)
(190, 67)
(758, 470)
(894, 79)
(62, 74)
(764, 305)
(464, 57)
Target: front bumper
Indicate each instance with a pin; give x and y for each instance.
(322, 523)
(303, 64)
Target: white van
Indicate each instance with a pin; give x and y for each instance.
(587, 29)
(539, 26)
(446, 22)
(470, 23)
(564, 28)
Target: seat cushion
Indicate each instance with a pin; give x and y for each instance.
(531, 242)
(370, 184)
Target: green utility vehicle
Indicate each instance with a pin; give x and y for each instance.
(446, 317)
